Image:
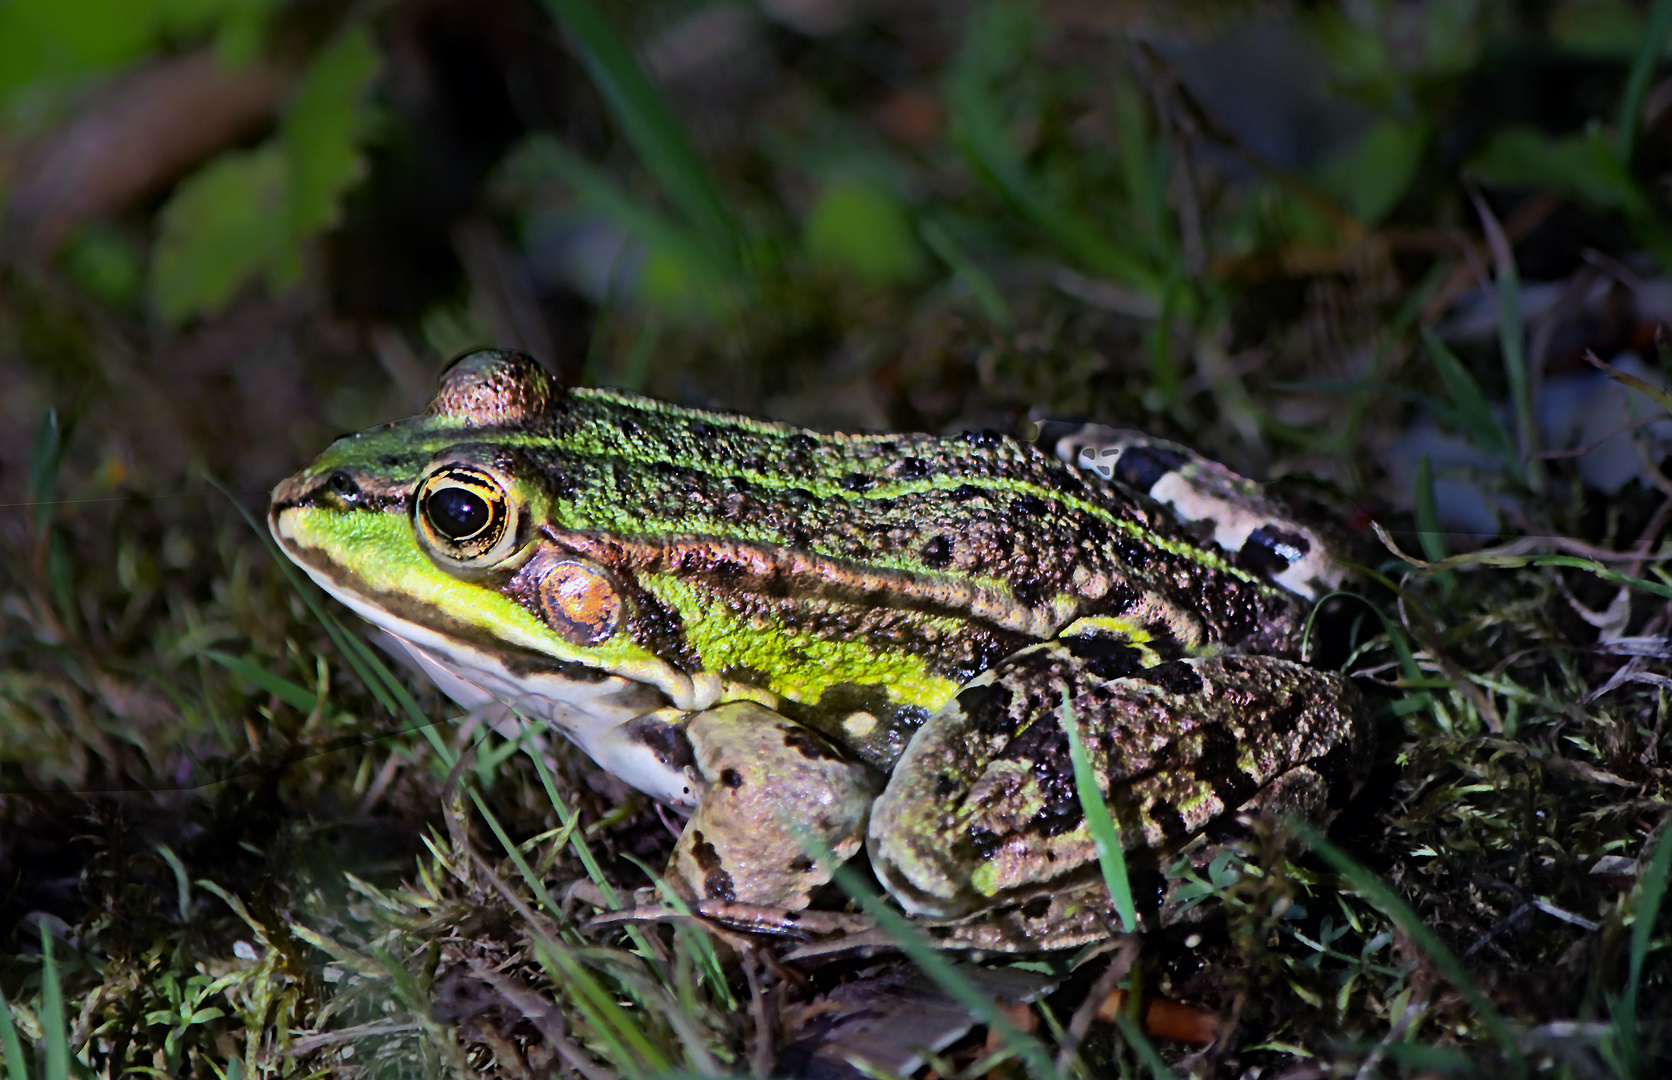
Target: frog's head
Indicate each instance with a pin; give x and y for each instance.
(435, 528)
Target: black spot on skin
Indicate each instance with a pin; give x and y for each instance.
(703, 851)
(1030, 505)
(964, 493)
(1132, 553)
(937, 553)
(984, 842)
(1044, 746)
(798, 497)
(1238, 611)
(666, 741)
(809, 746)
(800, 444)
(1175, 677)
(1226, 828)
(911, 468)
(986, 437)
(717, 884)
(1028, 587)
(1037, 908)
(945, 785)
(801, 864)
(1270, 550)
(1105, 656)
(1118, 599)
(858, 481)
(731, 778)
(984, 708)
(1340, 773)
(1283, 721)
(1218, 766)
(344, 486)
(940, 933)
(1141, 466)
(1166, 815)
(628, 427)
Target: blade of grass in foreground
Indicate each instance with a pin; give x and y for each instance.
(10, 1045)
(53, 1032)
(1653, 892)
(1111, 856)
(1394, 907)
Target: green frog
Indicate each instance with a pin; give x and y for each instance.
(818, 643)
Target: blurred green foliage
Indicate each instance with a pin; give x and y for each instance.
(48, 46)
(250, 213)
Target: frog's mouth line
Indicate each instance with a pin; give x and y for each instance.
(446, 633)
(590, 706)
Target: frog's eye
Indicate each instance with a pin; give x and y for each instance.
(465, 516)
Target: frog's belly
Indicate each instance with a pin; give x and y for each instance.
(594, 716)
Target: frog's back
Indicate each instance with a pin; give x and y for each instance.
(979, 526)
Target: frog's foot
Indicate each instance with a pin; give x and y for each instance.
(983, 808)
(771, 792)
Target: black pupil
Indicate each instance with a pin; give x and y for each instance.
(457, 513)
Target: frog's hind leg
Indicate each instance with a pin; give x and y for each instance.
(982, 808)
(770, 792)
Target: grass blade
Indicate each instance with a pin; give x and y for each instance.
(286, 691)
(53, 1033)
(982, 288)
(986, 294)
(1025, 1047)
(1427, 513)
(1111, 856)
(655, 133)
(982, 133)
(44, 458)
(1642, 931)
(10, 1045)
(1473, 414)
(372, 672)
(1135, 1037)
(1649, 51)
(613, 1025)
(1392, 905)
(1512, 344)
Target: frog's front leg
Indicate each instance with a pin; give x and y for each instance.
(768, 788)
(982, 808)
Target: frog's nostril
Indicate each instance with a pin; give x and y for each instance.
(344, 485)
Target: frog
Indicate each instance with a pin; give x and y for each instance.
(820, 644)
